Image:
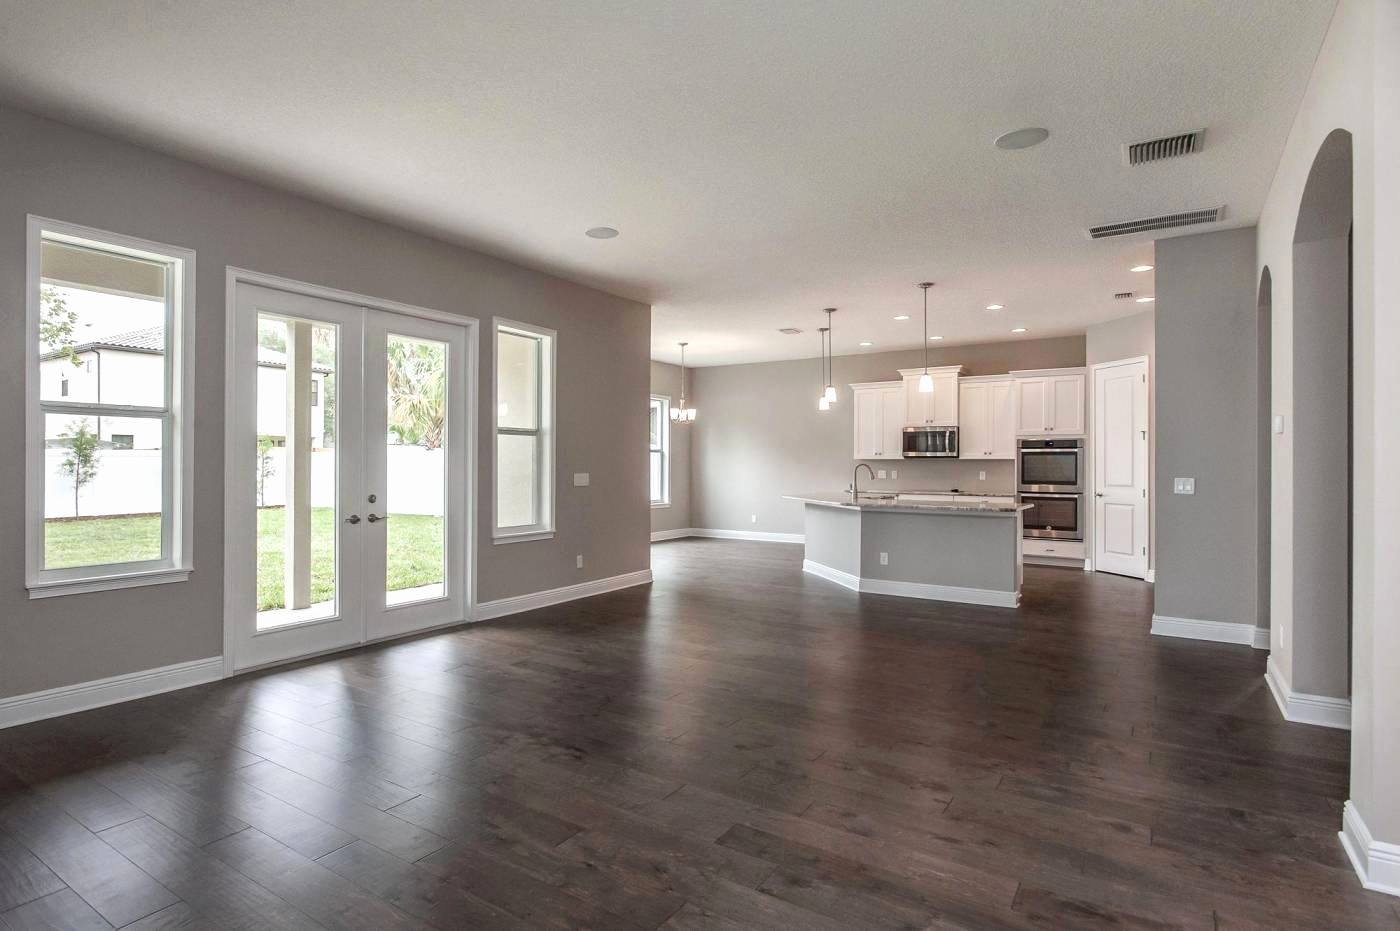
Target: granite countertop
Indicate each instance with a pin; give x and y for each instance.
(889, 501)
(944, 491)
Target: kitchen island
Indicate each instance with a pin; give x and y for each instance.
(890, 544)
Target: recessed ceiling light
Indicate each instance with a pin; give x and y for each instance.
(902, 317)
(1022, 138)
(1146, 300)
(1141, 268)
(932, 338)
(1019, 329)
(867, 343)
(601, 232)
(996, 306)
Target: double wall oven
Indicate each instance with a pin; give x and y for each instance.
(1052, 483)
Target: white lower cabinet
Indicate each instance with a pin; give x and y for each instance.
(879, 420)
(1059, 549)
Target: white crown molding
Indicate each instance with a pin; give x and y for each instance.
(1215, 631)
(975, 596)
(747, 535)
(82, 696)
(1301, 708)
(1377, 864)
(503, 606)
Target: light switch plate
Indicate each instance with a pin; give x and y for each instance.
(1184, 486)
(884, 559)
(880, 473)
(894, 473)
(581, 479)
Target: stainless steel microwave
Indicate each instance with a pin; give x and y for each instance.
(930, 442)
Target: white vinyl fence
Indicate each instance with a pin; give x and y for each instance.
(129, 482)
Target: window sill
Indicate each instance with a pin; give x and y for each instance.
(106, 583)
(660, 504)
(524, 537)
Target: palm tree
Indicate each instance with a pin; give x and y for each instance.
(417, 392)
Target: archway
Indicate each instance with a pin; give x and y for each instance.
(1264, 334)
(1322, 429)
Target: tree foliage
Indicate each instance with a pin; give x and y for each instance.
(417, 393)
(57, 322)
(80, 463)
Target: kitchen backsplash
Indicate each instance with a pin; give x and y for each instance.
(942, 474)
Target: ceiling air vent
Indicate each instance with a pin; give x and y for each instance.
(789, 330)
(1155, 150)
(1123, 295)
(1165, 222)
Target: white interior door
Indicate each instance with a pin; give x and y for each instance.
(350, 522)
(1120, 468)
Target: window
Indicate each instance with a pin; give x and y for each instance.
(658, 451)
(108, 456)
(524, 454)
(315, 393)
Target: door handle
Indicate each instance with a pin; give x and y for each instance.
(375, 518)
(353, 519)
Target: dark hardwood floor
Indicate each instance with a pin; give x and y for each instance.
(735, 746)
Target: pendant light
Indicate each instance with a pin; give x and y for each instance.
(830, 393)
(926, 380)
(682, 414)
(823, 402)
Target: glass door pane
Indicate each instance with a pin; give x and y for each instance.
(416, 469)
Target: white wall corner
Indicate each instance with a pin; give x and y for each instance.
(501, 607)
(82, 696)
(1301, 708)
(1377, 864)
(1189, 628)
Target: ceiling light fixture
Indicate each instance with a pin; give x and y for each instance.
(1022, 138)
(822, 403)
(1141, 268)
(866, 342)
(1146, 300)
(601, 232)
(830, 392)
(1019, 329)
(901, 316)
(682, 414)
(996, 306)
(925, 380)
(934, 337)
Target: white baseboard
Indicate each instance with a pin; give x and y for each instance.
(1377, 864)
(975, 596)
(1214, 631)
(1151, 577)
(747, 535)
(659, 535)
(1301, 708)
(67, 699)
(503, 606)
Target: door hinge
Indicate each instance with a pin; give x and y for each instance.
(1144, 492)
(1144, 551)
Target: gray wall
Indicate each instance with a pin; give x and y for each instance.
(81, 177)
(1127, 338)
(666, 379)
(1206, 413)
(760, 436)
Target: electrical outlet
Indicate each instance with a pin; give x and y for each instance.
(579, 560)
(581, 479)
(880, 473)
(1183, 486)
(894, 473)
(982, 475)
(753, 518)
(884, 559)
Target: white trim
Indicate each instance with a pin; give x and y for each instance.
(176, 415)
(1301, 708)
(759, 535)
(975, 596)
(67, 699)
(1377, 863)
(658, 535)
(1151, 578)
(518, 603)
(1214, 631)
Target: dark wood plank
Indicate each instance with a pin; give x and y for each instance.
(23, 878)
(62, 910)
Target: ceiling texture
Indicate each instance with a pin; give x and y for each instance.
(761, 160)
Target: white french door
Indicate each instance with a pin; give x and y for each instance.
(1120, 450)
(347, 515)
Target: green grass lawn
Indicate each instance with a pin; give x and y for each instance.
(415, 549)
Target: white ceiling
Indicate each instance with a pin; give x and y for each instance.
(762, 160)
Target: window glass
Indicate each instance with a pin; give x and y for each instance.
(517, 382)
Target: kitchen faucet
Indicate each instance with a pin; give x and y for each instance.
(855, 477)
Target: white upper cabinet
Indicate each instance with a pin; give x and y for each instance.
(987, 419)
(879, 420)
(1050, 403)
(936, 408)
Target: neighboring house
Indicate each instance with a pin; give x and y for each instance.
(127, 369)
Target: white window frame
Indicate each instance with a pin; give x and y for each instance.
(543, 528)
(177, 444)
(664, 448)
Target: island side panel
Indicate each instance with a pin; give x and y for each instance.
(943, 549)
(832, 537)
